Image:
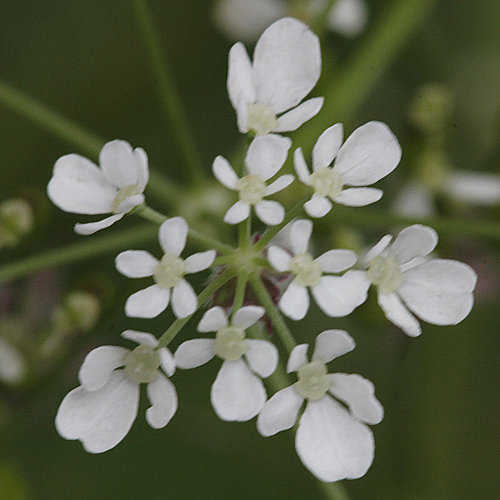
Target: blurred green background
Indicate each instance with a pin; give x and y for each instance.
(439, 438)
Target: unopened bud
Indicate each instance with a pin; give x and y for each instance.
(16, 220)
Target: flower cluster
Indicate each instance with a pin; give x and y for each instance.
(333, 439)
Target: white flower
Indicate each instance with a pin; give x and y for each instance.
(12, 364)
(79, 186)
(335, 295)
(286, 66)
(237, 393)
(438, 291)
(168, 273)
(370, 153)
(414, 199)
(101, 411)
(472, 187)
(264, 158)
(332, 442)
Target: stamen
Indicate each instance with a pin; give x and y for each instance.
(230, 343)
(306, 270)
(313, 380)
(141, 364)
(169, 271)
(251, 188)
(260, 119)
(385, 273)
(326, 182)
(122, 195)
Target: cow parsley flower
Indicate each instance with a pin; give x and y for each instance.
(438, 291)
(238, 393)
(101, 411)
(13, 366)
(335, 295)
(286, 66)
(168, 273)
(264, 158)
(79, 186)
(370, 153)
(332, 442)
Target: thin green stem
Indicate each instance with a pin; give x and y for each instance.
(244, 231)
(178, 324)
(78, 252)
(277, 319)
(239, 294)
(170, 99)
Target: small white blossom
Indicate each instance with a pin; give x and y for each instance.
(476, 188)
(238, 393)
(81, 187)
(168, 273)
(286, 66)
(370, 153)
(438, 291)
(264, 158)
(101, 411)
(12, 364)
(335, 295)
(333, 443)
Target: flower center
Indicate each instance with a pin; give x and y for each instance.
(251, 188)
(260, 119)
(313, 380)
(385, 273)
(141, 364)
(122, 195)
(169, 271)
(230, 343)
(326, 182)
(306, 270)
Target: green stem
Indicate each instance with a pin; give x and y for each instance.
(76, 252)
(178, 324)
(277, 319)
(169, 96)
(244, 230)
(239, 294)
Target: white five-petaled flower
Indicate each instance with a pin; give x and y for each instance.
(168, 273)
(79, 186)
(238, 393)
(370, 153)
(335, 295)
(265, 156)
(438, 291)
(333, 443)
(101, 411)
(286, 66)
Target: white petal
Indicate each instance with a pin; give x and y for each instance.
(237, 394)
(396, 313)
(331, 344)
(99, 419)
(237, 213)
(78, 186)
(279, 258)
(359, 394)
(294, 118)
(370, 153)
(98, 365)
(93, 227)
(298, 357)
(473, 187)
(143, 338)
(331, 443)
(378, 248)
(335, 261)
(247, 316)
(129, 203)
(301, 166)
(317, 206)
(413, 241)
(163, 399)
(135, 263)
(414, 199)
(348, 17)
(167, 361)
(142, 167)
(172, 235)
(194, 352)
(327, 146)
(262, 357)
(147, 303)
(266, 155)
(224, 173)
(286, 64)
(300, 234)
(340, 295)
(295, 301)
(270, 212)
(358, 197)
(279, 184)
(439, 291)
(119, 164)
(199, 261)
(184, 300)
(213, 320)
(280, 412)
